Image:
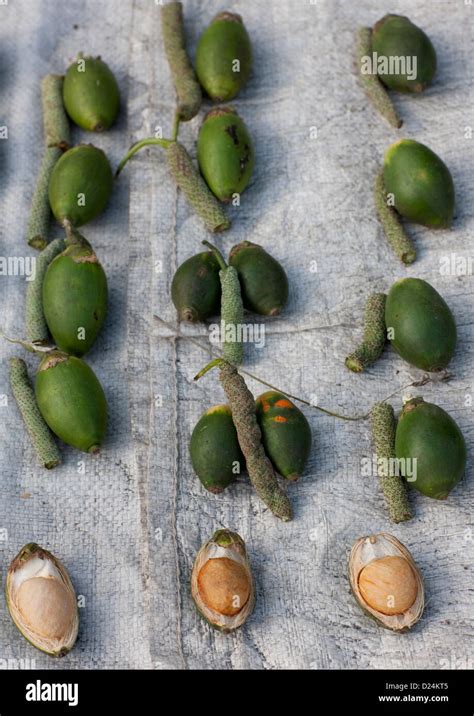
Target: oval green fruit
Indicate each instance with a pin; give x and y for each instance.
(406, 57)
(80, 185)
(75, 299)
(225, 153)
(196, 288)
(263, 280)
(215, 452)
(72, 401)
(224, 57)
(286, 435)
(431, 449)
(420, 183)
(420, 325)
(90, 94)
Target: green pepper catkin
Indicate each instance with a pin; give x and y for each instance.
(371, 84)
(195, 189)
(188, 180)
(56, 139)
(259, 467)
(36, 328)
(232, 309)
(374, 334)
(188, 89)
(40, 435)
(384, 426)
(391, 224)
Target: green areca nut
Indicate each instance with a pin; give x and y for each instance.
(41, 437)
(371, 84)
(374, 335)
(36, 327)
(384, 425)
(188, 89)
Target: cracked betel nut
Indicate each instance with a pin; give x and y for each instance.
(41, 600)
(221, 582)
(386, 582)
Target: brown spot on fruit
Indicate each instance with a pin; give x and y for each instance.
(224, 586)
(284, 403)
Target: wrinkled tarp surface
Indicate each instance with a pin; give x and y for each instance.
(128, 523)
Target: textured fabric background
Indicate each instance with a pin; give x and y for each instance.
(128, 523)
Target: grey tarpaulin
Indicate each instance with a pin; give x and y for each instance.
(128, 523)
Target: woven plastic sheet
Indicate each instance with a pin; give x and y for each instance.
(127, 524)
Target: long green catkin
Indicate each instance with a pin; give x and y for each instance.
(188, 89)
(383, 423)
(194, 188)
(374, 334)
(55, 121)
(391, 224)
(373, 88)
(41, 436)
(36, 328)
(232, 315)
(259, 467)
(56, 139)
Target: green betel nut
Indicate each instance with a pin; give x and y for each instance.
(80, 185)
(419, 184)
(91, 94)
(75, 298)
(196, 288)
(286, 435)
(430, 448)
(225, 153)
(72, 401)
(263, 281)
(420, 325)
(406, 57)
(215, 453)
(224, 57)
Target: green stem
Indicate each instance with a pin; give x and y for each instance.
(41, 437)
(185, 82)
(149, 141)
(175, 127)
(375, 335)
(391, 224)
(219, 257)
(373, 88)
(384, 426)
(36, 328)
